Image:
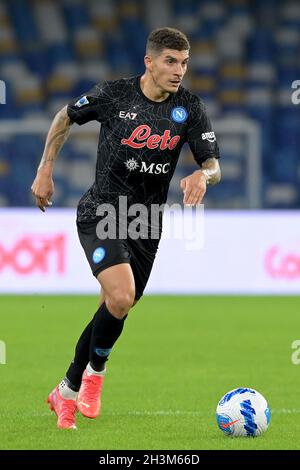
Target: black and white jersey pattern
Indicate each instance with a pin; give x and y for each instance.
(139, 141)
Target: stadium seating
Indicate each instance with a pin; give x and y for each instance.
(244, 58)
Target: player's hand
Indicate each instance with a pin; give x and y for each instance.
(194, 188)
(43, 188)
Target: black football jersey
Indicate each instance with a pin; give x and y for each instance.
(139, 142)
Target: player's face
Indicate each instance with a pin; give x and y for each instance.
(168, 69)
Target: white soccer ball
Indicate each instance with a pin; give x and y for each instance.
(243, 412)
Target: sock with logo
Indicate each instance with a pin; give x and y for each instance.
(106, 331)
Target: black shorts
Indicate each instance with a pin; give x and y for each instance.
(101, 254)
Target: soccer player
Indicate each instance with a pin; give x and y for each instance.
(145, 120)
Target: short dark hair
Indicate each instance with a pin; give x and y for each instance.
(166, 38)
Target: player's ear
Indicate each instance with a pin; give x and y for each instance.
(148, 62)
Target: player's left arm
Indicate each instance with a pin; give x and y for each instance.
(194, 185)
(203, 144)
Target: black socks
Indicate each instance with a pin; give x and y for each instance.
(94, 345)
(81, 359)
(106, 331)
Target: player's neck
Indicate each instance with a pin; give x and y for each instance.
(150, 90)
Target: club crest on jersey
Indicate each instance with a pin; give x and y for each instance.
(98, 254)
(179, 114)
(82, 102)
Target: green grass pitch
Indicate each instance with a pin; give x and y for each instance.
(175, 359)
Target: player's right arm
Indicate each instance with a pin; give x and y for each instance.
(43, 187)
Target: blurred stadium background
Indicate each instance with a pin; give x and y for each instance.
(244, 58)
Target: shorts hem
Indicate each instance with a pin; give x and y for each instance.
(108, 265)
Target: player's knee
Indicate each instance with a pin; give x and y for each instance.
(119, 302)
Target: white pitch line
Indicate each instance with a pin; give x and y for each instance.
(200, 413)
(170, 412)
(285, 410)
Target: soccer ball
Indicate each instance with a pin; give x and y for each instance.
(243, 412)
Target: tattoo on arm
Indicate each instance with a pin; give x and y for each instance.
(57, 135)
(213, 170)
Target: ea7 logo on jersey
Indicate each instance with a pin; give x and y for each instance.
(127, 115)
(210, 136)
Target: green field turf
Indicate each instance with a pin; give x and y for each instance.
(175, 359)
